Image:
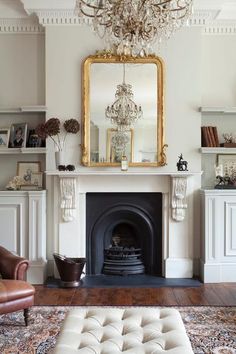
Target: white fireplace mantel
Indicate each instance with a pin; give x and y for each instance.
(68, 188)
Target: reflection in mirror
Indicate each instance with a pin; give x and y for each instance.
(123, 111)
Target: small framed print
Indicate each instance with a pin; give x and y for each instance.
(228, 163)
(18, 135)
(4, 137)
(25, 169)
(37, 179)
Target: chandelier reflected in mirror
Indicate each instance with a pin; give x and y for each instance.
(124, 112)
(133, 26)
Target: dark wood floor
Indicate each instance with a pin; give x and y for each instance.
(209, 294)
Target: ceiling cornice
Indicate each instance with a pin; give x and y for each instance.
(214, 16)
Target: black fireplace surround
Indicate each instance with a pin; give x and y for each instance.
(139, 213)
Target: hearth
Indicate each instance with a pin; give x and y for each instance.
(124, 234)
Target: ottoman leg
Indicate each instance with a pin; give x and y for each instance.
(26, 316)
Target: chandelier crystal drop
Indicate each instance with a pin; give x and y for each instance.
(124, 112)
(132, 26)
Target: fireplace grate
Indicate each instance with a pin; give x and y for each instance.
(120, 260)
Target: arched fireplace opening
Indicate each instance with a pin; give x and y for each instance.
(124, 226)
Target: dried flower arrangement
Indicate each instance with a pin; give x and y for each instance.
(52, 129)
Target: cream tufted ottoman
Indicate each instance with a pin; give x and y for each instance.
(136, 330)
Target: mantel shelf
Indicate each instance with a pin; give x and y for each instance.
(121, 173)
(218, 110)
(16, 151)
(217, 150)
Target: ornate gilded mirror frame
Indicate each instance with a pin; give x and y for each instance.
(106, 57)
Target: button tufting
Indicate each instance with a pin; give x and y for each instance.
(112, 330)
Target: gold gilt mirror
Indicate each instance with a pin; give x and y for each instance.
(123, 111)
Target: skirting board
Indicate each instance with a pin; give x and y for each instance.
(218, 272)
(36, 273)
(178, 268)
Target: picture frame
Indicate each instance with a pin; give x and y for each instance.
(25, 169)
(4, 137)
(37, 179)
(18, 135)
(228, 163)
(112, 156)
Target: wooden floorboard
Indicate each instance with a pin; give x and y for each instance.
(208, 294)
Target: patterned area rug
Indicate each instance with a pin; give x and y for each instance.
(210, 329)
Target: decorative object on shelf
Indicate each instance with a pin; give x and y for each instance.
(33, 139)
(124, 163)
(18, 135)
(131, 27)
(66, 168)
(68, 198)
(230, 140)
(37, 179)
(182, 165)
(26, 169)
(52, 130)
(4, 137)
(15, 183)
(226, 172)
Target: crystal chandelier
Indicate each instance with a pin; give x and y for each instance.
(124, 112)
(132, 26)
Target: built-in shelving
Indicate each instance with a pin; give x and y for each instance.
(217, 150)
(16, 151)
(218, 110)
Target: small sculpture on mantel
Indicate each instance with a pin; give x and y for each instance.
(182, 165)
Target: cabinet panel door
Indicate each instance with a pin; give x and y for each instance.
(14, 233)
(230, 228)
(10, 227)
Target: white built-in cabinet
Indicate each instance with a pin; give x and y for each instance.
(218, 246)
(218, 207)
(23, 229)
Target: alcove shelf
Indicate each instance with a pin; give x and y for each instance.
(23, 109)
(218, 110)
(217, 150)
(16, 151)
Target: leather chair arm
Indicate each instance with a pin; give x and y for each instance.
(12, 266)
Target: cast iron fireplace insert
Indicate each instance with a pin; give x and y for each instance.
(129, 221)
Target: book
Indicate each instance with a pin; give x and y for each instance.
(215, 132)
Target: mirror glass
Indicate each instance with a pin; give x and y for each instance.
(123, 111)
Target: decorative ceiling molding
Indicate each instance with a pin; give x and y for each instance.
(28, 25)
(214, 16)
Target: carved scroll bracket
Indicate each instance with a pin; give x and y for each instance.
(178, 197)
(68, 198)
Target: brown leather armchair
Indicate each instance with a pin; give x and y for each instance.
(15, 293)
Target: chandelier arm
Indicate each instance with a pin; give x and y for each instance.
(91, 6)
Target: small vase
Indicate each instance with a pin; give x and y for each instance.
(59, 158)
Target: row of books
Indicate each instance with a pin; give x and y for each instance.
(209, 137)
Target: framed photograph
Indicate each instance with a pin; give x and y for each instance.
(228, 163)
(37, 179)
(4, 137)
(25, 169)
(18, 135)
(115, 156)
